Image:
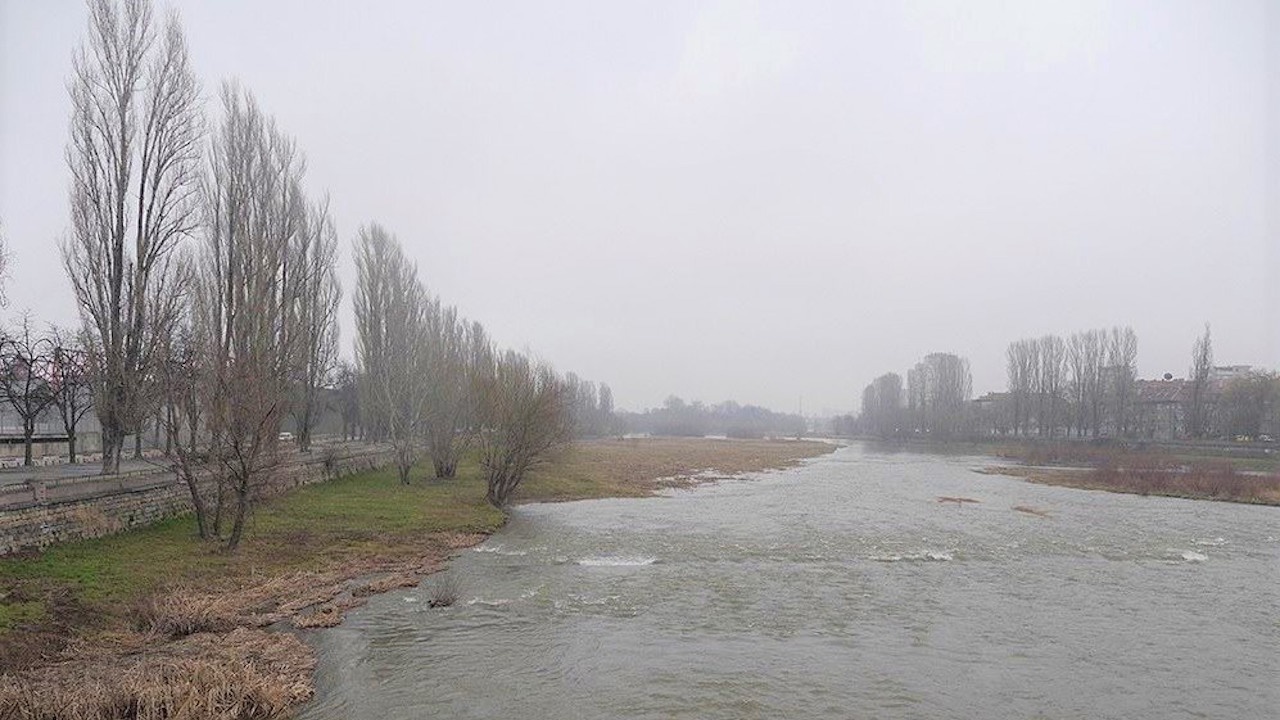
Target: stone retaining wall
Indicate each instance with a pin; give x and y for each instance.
(37, 514)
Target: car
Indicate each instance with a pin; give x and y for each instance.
(285, 437)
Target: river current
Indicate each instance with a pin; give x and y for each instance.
(839, 589)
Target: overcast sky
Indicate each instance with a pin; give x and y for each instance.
(758, 201)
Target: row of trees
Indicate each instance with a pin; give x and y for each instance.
(430, 381)
(933, 402)
(1084, 384)
(205, 277)
(696, 419)
(44, 373)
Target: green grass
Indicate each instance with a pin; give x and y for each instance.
(362, 515)
(12, 614)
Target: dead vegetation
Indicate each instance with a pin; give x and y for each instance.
(181, 613)
(247, 673)
(957, 500)
(1028, 510)
(193, 654)
(637, 467)
(444, 591)
(1207, 480)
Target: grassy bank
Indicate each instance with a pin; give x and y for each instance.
(149, 621)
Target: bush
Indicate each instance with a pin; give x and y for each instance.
(443, 591)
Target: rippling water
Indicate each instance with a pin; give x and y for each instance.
(841, 589)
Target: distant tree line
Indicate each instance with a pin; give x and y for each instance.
(696, 419)
(1083, 386)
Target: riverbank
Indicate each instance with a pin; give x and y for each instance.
(150, 621)
(1218, 482)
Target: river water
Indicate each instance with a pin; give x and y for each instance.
(839, 589)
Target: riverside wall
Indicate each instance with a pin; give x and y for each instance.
(38, 513)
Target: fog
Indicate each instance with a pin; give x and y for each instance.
(770, 202)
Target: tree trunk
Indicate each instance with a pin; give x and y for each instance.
(242, 510)
(304, 432)
(197, 502)
(28, 429)
(71, 446)
(111, 446)
(137, 444)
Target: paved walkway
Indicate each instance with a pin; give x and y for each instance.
(13, 476)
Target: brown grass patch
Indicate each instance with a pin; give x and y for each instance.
(329, 614)
(246, 674)
(387, 583)
(181, 612)
(637, 467)
(1198, 481)
(1027, 509)
(956, 500)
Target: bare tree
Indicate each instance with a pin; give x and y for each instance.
(70, 385)
(24, 379)
(186, 398)
(391, 308)
(526, 415)
(315, 315)
(247, 290)
(882, 405)
(1197, 411)
(1053, 359)
(347, 389)
(451, 400)
(1022, 365)
(609, 421)
(940, 386)
(1122, 370)
(134, 155)
(4, 264)
(1249, 403)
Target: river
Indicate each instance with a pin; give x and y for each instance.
(838, 589)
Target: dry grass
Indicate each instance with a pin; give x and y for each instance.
(244, 675)
(957, 500)
(1122, 453)
(181, 612)
(445, 590)
(637, 467)
(1199, 481)
(1203, 480)
(387, 583)
(1028, 510)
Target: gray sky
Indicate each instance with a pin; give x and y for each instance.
(758, 201)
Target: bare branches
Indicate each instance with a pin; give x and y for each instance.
(391, 310)
(525, 413)
(70, 384)
(248, 290)
(134, 155)
(4, 264)
(25, 359)
(939, 386)
(315, 317)
(882, 405)
(1197, 410)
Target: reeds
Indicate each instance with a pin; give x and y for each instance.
(244, 675)
(1211, 480)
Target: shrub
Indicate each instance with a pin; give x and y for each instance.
(443, 591)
